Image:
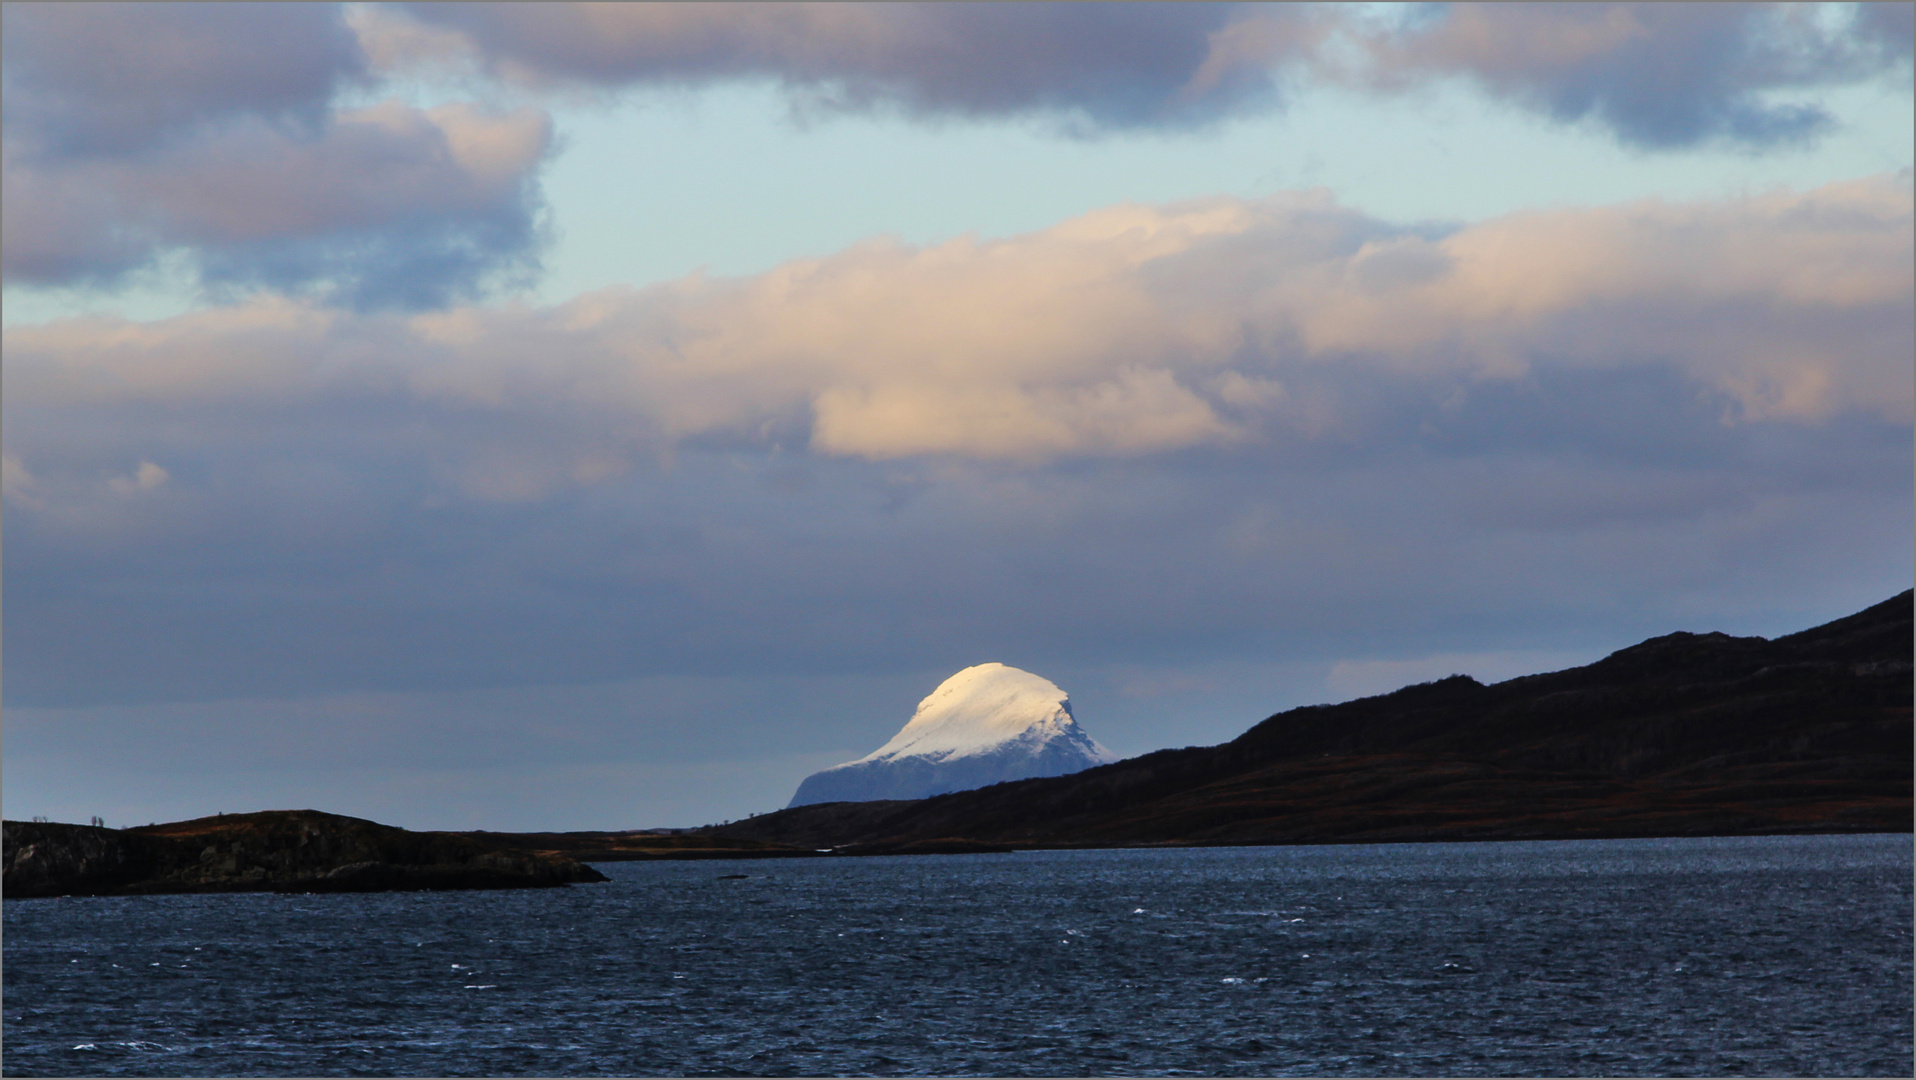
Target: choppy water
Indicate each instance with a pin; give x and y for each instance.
(1728, 956)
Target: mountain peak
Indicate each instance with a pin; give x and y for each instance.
(986, 724)
(978, 709)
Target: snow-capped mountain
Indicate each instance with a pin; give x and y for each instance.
(983, 725)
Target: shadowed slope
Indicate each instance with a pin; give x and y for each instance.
(270, 851)
(1685, 734)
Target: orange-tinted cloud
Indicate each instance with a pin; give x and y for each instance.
(1131, 330)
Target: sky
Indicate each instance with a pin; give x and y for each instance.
(601, 417)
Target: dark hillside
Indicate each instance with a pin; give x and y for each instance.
(270, 851)
(1685, 734)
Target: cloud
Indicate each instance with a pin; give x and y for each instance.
(1132, 330)
(387, 206)
(1152, 435)
(114, 80)
(16, 481)
(1660, 76)
(1168, 439)
(1113, 65)
(219, 131)
(1888, 27)
(137, 130)
(111, 79)
(147, 477)
(302, 552)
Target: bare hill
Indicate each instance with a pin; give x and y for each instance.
(1685, 734)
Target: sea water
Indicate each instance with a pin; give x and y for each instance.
(1772, 955)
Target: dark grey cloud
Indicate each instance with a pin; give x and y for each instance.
(311, 603)
(1888, 27)
(213, 130)
(110, 79)
(1117, 65)
(317, 552)
(1661, 76)
(387, 206)
(134, 131)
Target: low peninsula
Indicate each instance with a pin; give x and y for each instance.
(303, 851)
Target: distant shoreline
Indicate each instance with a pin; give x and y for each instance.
(1685, 735)
(297, 851)
(556, 850)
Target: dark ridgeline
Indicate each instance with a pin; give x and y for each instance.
(271, 851)
(1682, 735)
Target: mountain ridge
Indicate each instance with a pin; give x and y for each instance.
(1681, 734)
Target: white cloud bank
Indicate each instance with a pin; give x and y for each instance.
(1132, 330)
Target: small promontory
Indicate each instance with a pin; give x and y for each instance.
(270, 851)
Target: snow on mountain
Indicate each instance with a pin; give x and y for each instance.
(984, 725)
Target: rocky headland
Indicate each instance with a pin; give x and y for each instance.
(272, 851)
